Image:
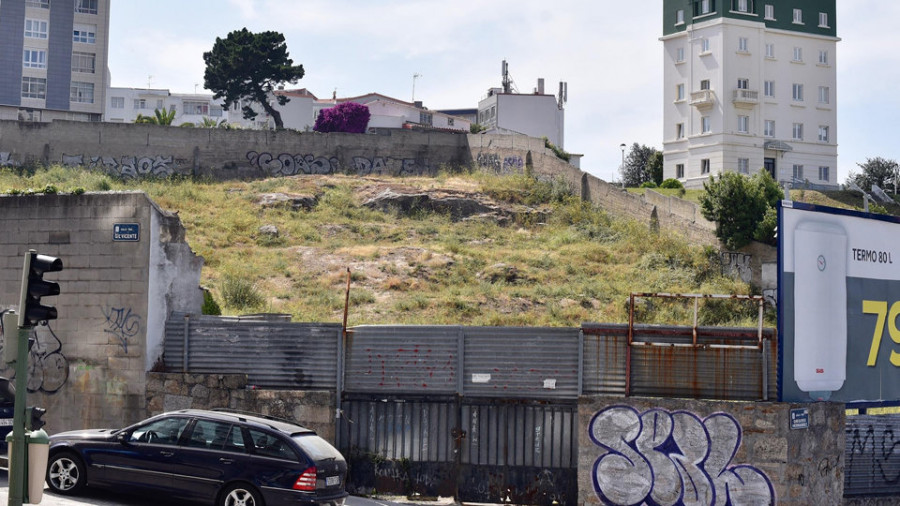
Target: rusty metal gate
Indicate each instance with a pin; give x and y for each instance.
(481, 414)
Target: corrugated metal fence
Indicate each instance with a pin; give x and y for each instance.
(872, 457)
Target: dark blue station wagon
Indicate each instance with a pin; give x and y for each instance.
(223, 458)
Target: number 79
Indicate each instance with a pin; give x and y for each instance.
(880, 308)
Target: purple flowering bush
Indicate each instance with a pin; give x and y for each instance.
(348, 117)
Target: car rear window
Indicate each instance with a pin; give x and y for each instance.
(316, 448)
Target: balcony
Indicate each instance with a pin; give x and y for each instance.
(745, 98)
(703, 99)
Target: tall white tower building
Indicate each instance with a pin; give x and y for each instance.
(750, 85)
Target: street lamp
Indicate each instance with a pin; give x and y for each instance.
(622, 167)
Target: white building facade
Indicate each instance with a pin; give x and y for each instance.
(125, 104)
(536, 115)
(750, 85)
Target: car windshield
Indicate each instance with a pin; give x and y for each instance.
(316, 448)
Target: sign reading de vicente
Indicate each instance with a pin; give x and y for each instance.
(838, 304)
(130, 232)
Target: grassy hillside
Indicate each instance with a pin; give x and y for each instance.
(557, 262)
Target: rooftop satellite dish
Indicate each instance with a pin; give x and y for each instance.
(881, 195)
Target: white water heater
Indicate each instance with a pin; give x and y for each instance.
(820, 307)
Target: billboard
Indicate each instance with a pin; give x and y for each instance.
(838, 304)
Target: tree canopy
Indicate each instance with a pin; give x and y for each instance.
(640, 167)
(878, 171)
(347, 117)
(247, 65)
(742, 207)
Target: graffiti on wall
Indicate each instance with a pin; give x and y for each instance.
(48, 368)
(667, 458)
(736, 265)
(123, 324)
(873, 455)
(506, 165)
(287, 164)
(128, 167)
(6, 160)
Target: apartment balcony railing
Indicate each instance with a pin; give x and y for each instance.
(745, 98)
(703, 99)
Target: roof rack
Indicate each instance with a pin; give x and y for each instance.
(254, 414)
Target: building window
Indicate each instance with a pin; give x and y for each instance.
(679, 17)
(216, 111)
(705, 126)
(196, 107)
(741, 5)
(425, 118)
(34, 59)
(743, 165)
(117, 102)
(449, 121)
(86, 6)
(743, 124)
(823, 134)
(798, 172)
(823, 57)
(140, 103)
(798, 16)
(83, 62)
(743, 45)
(704, 84)
(679, 131)
(770, 50)
(679, 170)
(769, 89)
(798, 54)
(39, 4)
(84, 33)
(769, 129)
(823, 173)
(704, 166)
(34, 87)
(797, 92)
(770, 12)
(743, 83)
(81, 92)
(703, 7)
(824, 94)
(823, 20)
(36, 28)
(704, 45)
(160, 104)
(797, 133)
(679, 55)
(679, 92)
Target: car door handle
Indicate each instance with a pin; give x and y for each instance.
(166, 453)
(226, 461)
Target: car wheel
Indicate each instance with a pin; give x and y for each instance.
(240, 495)
(65, 473)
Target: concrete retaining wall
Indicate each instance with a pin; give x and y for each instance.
(641, 449)
(312, 409)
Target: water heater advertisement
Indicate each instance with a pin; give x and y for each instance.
(838, 304)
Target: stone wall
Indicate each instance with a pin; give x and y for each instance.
(87, 368)
(171, 391)
(636, 449)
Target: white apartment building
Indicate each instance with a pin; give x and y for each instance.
(750, 85)
(54, 59)
(125, 104)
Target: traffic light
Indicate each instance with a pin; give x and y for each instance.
(31, 312)
(33, 416)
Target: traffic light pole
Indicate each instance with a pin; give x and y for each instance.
(17, 449)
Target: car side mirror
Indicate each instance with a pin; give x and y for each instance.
(123, 437)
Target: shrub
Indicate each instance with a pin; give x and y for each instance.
(210, 306)
(738, 204)
(348, 117)
(648, 184)
(238, 293)
(671, 183)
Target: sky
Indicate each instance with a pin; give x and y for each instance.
(607, 51)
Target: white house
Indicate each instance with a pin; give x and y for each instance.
(750, 85)
(125, 104)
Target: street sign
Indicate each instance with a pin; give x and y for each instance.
(128, 232)
(800, 418)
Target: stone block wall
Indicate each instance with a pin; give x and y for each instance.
(172, 391)
(642, 449)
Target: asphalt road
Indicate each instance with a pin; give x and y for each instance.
(104, 498)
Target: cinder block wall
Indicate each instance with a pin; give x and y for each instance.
(636, 448)
(171, 391)
(87, 368)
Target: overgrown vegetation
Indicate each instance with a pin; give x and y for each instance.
(558, 151)
(741, 206)
(574, 263)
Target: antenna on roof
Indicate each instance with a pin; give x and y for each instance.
(563, 94)
(507, 82)
(415, 76)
